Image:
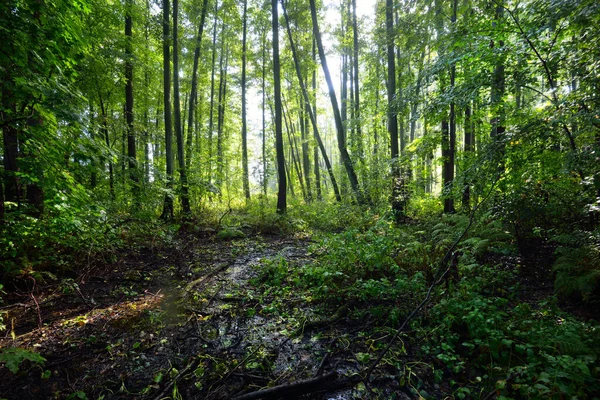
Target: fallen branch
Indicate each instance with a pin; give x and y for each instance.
(292, 389)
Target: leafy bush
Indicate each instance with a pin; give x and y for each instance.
(520, 351)
(578, 265)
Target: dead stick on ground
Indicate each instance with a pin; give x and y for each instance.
(443, 267)
(306, 386)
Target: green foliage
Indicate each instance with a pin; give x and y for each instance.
(14, 357)
(483, 337)
(578, 265)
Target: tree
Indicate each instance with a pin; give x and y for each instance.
(245, 178)
(345, 157)
(281, 178)
(185, 202)
(310, 109)
(167, 212)
(131, 145)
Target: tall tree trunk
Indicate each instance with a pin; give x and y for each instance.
(264, 130)
(185, 201)
(94, 174)
(282, 183)
(245, 178)
(11, 150)
(289, 127)
(451, 138)
(194, 90)
(391, 83)
(167, 212)
(497, 94)
(221, 109)
(311, 111)
(468, 149)
(357, 119)
(303, 120)
(313, 116)
(131, 147)
(345, 157)
(212, 95)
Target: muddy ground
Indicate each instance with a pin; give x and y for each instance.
(184, 321)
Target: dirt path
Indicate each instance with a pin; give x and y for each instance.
(185, 320)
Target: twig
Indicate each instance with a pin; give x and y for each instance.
(37, 305)
(184, 371)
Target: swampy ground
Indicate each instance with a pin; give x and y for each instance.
(219, 315)
(191, 320)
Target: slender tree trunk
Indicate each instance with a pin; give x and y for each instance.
(264, 130)
(185, 201)
(468, 149)
(131, 147)
(391, 82)
(245, 178)
(313, 116)
(194, 90)
(167, 212)
(303, 120)
(212, 95)
(282, 183)
(221, 109)
(94, 174)
(105, 135)
(497, 95)
(357, 117)
(345, 157)
(311, 113)
(289, 127)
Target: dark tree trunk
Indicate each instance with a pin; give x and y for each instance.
(282, 183)
(391, 83)
(345, 157)
(497, 94)
(185, 201)
(167, 212)
(468, 149)
(131, 147)
(264, 130)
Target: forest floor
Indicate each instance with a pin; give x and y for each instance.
(214, 316)
(184, 320)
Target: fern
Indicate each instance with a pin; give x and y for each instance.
(577, 270)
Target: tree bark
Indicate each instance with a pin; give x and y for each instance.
(185, 201)
(131, 146)
(167, 212)
(245, 178)
(282, 183)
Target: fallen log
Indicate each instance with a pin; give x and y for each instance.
(317, 384)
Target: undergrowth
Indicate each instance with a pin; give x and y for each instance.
(481, 334)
